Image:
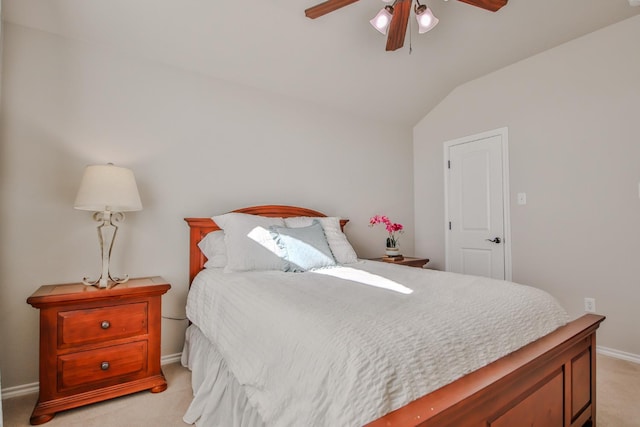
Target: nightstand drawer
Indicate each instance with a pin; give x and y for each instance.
(102, 366)
(101, 324)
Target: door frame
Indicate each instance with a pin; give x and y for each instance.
(506, 205)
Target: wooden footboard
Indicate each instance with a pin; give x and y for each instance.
(550, 382)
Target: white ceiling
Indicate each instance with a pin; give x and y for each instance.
(338, 60)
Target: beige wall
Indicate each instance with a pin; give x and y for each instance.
(574, 141)
(198, 147)
(1, 332)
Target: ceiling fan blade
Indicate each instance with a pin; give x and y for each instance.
(398, 26)
(326, 7)
(491, 5)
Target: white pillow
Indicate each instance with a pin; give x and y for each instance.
(249, 242)
(214, 248)
(342, 250)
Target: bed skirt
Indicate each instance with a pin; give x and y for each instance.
(219, 400)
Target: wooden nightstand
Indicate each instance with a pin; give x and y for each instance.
(96, 344)
(411, 262)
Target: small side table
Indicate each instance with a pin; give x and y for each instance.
(409, 261)
(96, 344)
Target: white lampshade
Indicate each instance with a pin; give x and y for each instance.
(382, 20)
(108, 188)
(426, 20)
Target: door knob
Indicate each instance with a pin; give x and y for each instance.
(496, 240)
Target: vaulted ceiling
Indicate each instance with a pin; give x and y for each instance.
(337, 60)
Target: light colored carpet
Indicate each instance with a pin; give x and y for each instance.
(618, 393)
(618, 402)
(135, 410)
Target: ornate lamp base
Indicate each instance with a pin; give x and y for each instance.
(106, 234)
(105, 282)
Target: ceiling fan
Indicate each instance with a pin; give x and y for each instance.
(400, 15)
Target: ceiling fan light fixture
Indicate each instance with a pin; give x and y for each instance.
(382, 20)
(426, 20)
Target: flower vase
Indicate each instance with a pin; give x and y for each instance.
(392, 251)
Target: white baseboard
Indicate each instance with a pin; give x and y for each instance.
(25, 389)
(622, 355)
(170, 358)
(20, 390)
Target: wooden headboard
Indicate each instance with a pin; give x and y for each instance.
(200, 227)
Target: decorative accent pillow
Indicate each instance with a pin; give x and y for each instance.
(214, 248)
(304, 248)
(340, 247)
(249, 242)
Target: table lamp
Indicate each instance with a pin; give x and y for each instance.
(109, 191)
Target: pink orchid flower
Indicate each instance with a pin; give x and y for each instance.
(391, 227)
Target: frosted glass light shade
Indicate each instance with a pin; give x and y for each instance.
(426, 20)
(108, 188)
(382, 20)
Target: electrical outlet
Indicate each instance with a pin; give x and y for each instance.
(590, 305)
(522, 198)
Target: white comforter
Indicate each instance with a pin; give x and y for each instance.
(311, 349)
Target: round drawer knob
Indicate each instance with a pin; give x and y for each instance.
(105, 324)
(104, 366)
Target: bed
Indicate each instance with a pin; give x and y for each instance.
(547, 382)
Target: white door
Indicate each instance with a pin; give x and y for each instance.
(477, 205)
